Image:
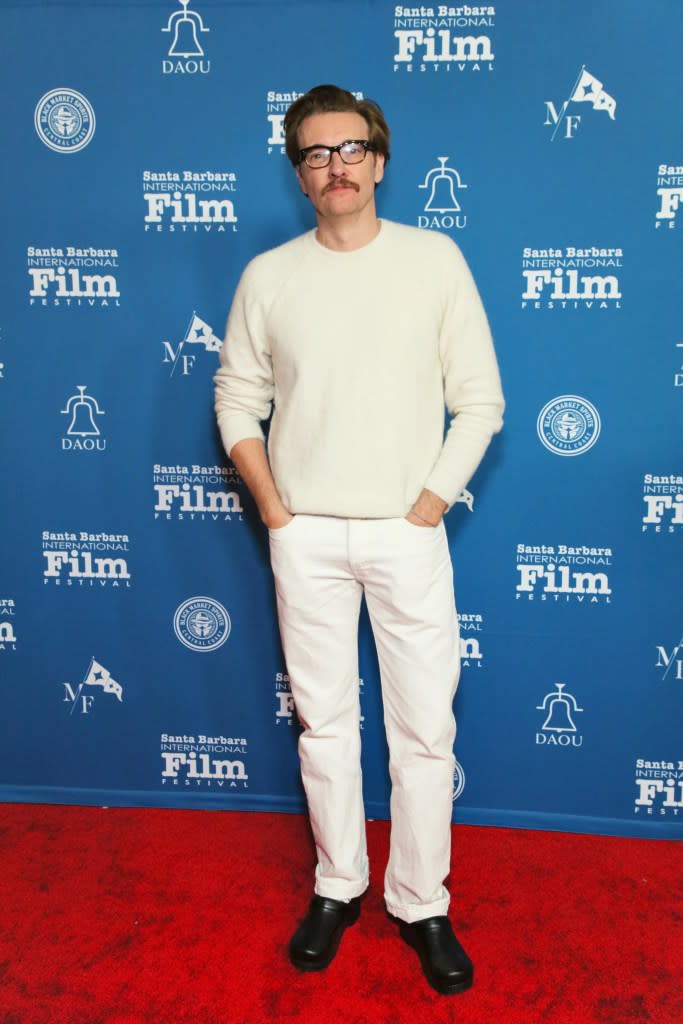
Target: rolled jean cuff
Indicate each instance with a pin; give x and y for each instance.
(419, 911)
(339, 889)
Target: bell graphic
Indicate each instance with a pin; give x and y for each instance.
(81, 407)
(184, 25)
(559, 707)
(442, 181)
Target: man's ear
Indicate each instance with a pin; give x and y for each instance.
(379, 167)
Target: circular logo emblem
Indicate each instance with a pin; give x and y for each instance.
(65, 120)
(458, 780)
(202, 624)
(568, 425)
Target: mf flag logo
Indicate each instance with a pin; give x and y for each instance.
(96, 676)
(670, 661)
(586, 89)
(198, 333)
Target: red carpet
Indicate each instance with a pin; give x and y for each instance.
(182, 917)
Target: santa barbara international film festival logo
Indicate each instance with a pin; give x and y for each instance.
(471, 625)
(285, 710)
(8, 636)
(559, 726)
(96, 684)
(64, 120)
(565, 122)
(204, 762)
(669, 193)
(568, 425)
(82, 559)
(563, 573)
(73, 276)
(186, 33)
(180, 357)
(189, 201)
(197, 493)
(82, 432)
(659, 787)
(277, 105)
(663, 498)
(442, 209)
(569, 277)
(443, 38)
(202, 624)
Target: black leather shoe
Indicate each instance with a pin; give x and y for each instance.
(445, 963)
(315, 941)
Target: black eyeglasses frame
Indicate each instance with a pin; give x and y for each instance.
(367, 146)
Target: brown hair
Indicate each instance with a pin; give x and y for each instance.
(326, 99)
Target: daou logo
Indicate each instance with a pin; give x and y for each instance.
(83, 433)
(559, 728)
(442, 209)
(185, 54)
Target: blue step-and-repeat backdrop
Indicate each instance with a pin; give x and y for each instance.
(143, 166)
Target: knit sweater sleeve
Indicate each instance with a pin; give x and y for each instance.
(472, 388)
(244, 384)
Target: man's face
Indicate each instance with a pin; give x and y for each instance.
(339, 189)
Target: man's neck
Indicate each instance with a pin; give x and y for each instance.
(346, 234)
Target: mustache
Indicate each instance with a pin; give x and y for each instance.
(341, 181)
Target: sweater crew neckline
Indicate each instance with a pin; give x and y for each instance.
(345, 254)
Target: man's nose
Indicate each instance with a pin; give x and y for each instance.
(336, 165)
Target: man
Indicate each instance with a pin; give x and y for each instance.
(359, 334)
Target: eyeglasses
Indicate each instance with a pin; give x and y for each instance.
(351, 152)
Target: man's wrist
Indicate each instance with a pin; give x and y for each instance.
(274, 516)
(429, 508)
(422, 518)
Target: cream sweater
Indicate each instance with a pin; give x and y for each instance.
(360, 353)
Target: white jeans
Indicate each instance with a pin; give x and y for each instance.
(322, 566)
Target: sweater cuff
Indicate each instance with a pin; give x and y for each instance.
(238, 428)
